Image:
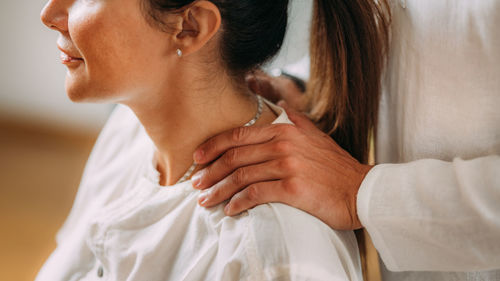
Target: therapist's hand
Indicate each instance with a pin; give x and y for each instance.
(297, 165)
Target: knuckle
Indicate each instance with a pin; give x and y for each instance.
(230, 157)
(289, 164)
(283, 147)
(253, 193)
(239, 134)
(292, 187)
(239, 177)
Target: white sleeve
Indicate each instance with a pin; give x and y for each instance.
(431, 215)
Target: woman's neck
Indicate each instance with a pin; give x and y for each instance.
(178, 122)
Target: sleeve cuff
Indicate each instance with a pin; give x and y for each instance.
(364, 201)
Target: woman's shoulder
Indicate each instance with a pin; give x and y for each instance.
(119, 145)
(280, 241)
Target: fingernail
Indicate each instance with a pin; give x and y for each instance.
(196, 179)
(198, 156)
(203, 201)
(203, 197)
(226, 209)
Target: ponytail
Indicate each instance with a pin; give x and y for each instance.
(349, 42)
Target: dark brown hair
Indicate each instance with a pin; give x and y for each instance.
(253, 30)
(349, 40)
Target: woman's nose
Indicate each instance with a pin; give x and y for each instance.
(55, 15)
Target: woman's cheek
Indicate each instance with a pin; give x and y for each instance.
(99, 79)
(121, 52)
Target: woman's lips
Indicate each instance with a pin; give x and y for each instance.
(66, 59)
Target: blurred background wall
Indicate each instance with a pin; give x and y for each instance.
(45, 139)
(31, 76)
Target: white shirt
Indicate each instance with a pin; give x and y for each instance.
(438, 207)
(125, 226)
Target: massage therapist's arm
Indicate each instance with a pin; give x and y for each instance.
(432, 215)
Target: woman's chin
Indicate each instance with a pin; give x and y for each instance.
(87, 97)
(78, 95)
(83, 93)
(78, 98)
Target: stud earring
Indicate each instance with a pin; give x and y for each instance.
(179, 53)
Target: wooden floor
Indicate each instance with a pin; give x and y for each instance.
(40, 170)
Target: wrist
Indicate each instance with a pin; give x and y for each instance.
(366, 170)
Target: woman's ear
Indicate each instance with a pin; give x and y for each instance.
(200, 22)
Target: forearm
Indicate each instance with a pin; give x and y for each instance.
(433, 215)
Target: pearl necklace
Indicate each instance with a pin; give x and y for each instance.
(260, 107)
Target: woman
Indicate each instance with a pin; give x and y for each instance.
(177, 67)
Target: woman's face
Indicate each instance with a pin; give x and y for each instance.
(110, 50)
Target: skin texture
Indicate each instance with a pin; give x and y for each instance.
(297, 165)
(118, 56)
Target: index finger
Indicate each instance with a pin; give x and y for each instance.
(214, 147)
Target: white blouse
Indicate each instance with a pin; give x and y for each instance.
(125, 226)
